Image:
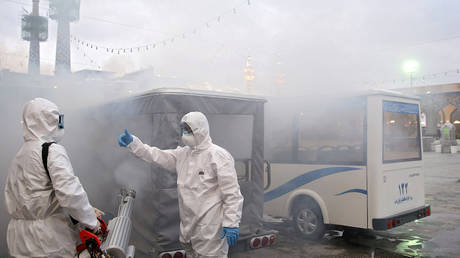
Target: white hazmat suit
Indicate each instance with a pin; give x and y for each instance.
(208, 190)
(40, 225)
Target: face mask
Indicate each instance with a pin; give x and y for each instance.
(189, 140)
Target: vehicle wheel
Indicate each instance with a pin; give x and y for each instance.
(308, 219)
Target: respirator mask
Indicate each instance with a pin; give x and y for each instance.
(187, 135)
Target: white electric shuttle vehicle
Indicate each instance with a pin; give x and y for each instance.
(347, 162)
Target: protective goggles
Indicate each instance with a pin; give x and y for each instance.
(185, 129)
(61, 121)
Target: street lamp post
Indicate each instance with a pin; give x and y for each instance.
(410, 67)
(410, 74)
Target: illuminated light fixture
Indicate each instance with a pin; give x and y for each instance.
(392, 121)
(410, 66)
(456, 122)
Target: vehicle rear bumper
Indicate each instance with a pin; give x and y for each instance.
(400, 219)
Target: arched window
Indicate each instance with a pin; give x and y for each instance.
(456, 121)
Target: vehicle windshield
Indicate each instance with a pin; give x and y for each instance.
(401, 135)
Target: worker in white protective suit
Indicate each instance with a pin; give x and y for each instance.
(210, 201)
(39, 203)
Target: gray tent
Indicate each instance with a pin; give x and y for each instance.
(236, 123)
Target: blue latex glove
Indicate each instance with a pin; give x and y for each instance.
(125, 139)
(231, 234)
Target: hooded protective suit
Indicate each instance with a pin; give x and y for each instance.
(40, 224)
(208, 190)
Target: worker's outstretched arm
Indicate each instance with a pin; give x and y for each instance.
(68, 189)
(164, 158)
(230, 189)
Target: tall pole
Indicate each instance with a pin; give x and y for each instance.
(411, 79)
(63, 12)
(34, 47)
(63, 46)
(410, 67)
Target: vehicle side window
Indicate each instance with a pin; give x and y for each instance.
(333, 133)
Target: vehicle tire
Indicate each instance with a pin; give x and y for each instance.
(308, 219)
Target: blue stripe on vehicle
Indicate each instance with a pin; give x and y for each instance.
(304, 179)
(361, 191)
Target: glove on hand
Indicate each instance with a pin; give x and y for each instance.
(231, 234)
(125, 139)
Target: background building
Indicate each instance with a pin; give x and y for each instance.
(439, 104)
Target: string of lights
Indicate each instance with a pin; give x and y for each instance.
(161, 43)
(91, 61)
(417, 80)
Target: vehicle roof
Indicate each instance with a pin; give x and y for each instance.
(370, 92)
(322, 97)
(390, 93)
(201, 93)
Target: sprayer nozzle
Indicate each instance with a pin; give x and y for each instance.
(128, 192)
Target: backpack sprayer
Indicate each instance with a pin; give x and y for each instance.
(112, 240)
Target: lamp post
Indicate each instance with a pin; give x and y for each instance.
(410, 67)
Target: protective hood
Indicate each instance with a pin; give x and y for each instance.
(200, 128)
(40, 121)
